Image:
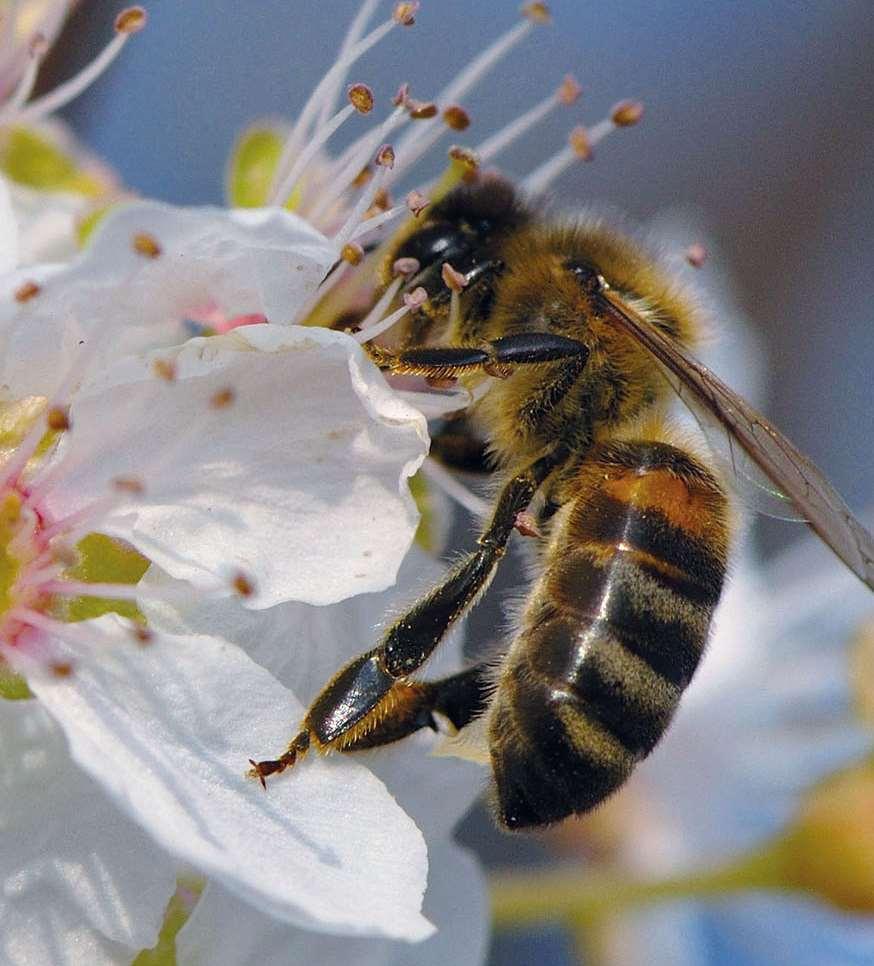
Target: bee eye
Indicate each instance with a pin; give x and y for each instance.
(587, 275)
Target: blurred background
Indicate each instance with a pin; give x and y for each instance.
(758, 124)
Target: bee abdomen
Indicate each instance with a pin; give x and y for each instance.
(613, 633)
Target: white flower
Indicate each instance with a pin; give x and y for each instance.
(215, 457)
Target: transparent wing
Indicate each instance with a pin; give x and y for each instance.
(750, 484)
(787, 470)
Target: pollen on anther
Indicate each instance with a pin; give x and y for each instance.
(26, 291)
(696, 255)
(570, 90)
(222, 398)
(58, 418)
(164, 369)
(146, 244)
(464, 156)
(405, 13)
(363, 176)
(456, 118)
(131, 20)
(417, 202)
(537, 12)
(129, 484)
(61, 669)
(361, 98)
(415, 299)
(352, 253)
(626, 113)
(452, 278)
(382, 200)
(421, 110)
(243, 584)
(142, 635)
(405, 266)
(579, 142)
(385, 156)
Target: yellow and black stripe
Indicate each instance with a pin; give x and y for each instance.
(612, 634)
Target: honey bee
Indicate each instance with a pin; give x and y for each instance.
(589, 338)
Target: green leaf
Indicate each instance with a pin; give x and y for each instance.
(253, 162)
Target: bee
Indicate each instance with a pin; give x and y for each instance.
(584, 338)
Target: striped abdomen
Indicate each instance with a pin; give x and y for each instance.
(612, 633)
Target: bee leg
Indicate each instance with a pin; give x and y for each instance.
(459, 698)
(375, 687)
(498, 358)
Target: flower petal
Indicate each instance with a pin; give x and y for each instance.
(81, 884)
(167, 730)
(300, 486)
(135, 297)
(224, 932)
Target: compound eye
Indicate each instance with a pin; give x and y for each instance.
(590, 279)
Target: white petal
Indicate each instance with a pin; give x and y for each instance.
(300, 483)
(81, 884)
(260, 261)
(168, 729)
(47, 224)
(303, 646)
(224, 932)
(8, 230)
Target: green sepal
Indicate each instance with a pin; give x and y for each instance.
(103, 559)
(252, 166)
(179, 908)
(32, 160)
(426, 536)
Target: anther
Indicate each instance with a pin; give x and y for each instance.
(58, 418)
(696, 255)
(626, 113)
(363, 176)
(361, 98)
(385, 156)
(129, 484)
(405, 13)
(579, 141)
(570, 90)
(146, 244)
(537, 12)
(421, 110)
(405, 267)
(416, 299)
(61, 669)
(131, 21)
(26, 291)
(402, 96)
(142, 635)
(352, 253)
(164, 369)
(417, 202)
(452, 278)
(526, 524)
(464, 156)
(456, 118)
(243, 584)
(222, 398)
(381, 200)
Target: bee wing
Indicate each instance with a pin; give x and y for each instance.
(752, 487)
(788, 469)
